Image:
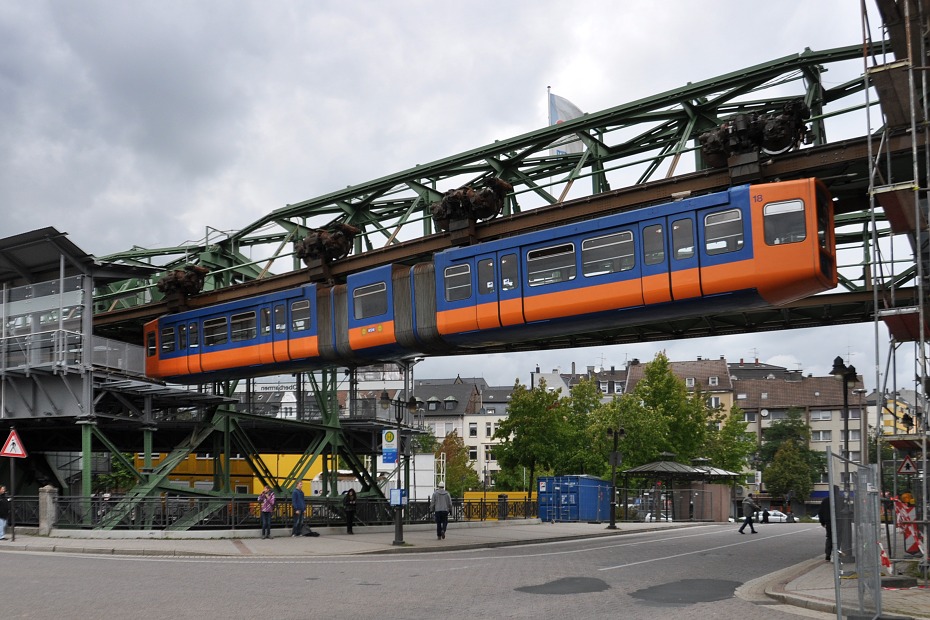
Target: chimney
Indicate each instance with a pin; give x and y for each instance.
(612, 370)
(757, 361)
(699, 358)
(573, 368)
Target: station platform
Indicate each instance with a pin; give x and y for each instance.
(808, 585)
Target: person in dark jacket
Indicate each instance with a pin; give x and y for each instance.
(349, 503)
(823, 513)
(749, 506)
(4, 511)
(299, 503)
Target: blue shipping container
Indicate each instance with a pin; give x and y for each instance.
(573, 498)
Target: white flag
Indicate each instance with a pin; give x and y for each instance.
(561, 110)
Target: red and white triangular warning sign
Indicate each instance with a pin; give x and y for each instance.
(907, 466)
(13, 446)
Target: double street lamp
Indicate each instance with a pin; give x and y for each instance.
(399, 410)
(844, 516)
(615, 460)
(847, 374)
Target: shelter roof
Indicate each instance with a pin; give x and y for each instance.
(36, 256)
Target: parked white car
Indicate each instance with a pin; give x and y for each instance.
(660, 517)
(775, 516)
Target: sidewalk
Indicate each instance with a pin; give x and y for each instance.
(808, 585)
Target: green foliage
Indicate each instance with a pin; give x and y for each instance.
(791, 437)
(119, 480)
(576, 455)
(659, 415)
(533, 433)
(460, 473)
(727, 444)
(424, 443)
(568, 436)
(789, 473)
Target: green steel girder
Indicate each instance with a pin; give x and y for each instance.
(385, 208)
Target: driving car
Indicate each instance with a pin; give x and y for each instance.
(775, 516)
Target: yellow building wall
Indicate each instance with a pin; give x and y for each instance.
(194, 469)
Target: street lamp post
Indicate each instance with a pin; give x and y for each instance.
(614, 462)
(847, 374)
(863, 429)
(399, 406)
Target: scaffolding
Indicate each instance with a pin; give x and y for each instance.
(898, 198)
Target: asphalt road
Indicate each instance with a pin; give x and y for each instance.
(687, 573)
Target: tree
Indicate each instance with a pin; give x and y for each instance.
(727, 443)
(532, 434)
(120, 479)
(576, 455)
(791, 434)
(788, 474)
(460, 473)
(660, 416)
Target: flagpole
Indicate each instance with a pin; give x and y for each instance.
(549, 103)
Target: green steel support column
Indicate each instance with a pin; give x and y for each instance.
(86, 467)
(147, 448)
(227, 455)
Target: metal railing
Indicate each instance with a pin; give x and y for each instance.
(206, 513)
(64, 348)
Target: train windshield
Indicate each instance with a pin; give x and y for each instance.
(784, 222)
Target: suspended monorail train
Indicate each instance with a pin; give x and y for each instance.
(747, 247)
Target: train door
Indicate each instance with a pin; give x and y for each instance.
(279, 331)
(655, 262)
(193, 348)
(685, 267)
(510, 293)
(486, 302)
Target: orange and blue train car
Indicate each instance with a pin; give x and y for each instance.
(747, 247)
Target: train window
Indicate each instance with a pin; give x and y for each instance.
(242, 326)
(510, 274)
(485, 277)
(280, 322)
(370, 300)
(682, 239)
(824, 208)
(783, 222)
(653, 244)
(608, 254)
(182, 336)
(457, 280)
(214, 332)
(265, 321)
(300, 315)
(551, 265)
(167, 340)
(150, 348)
(723, 232)
(193, 336)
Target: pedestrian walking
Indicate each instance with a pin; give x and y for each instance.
(441, 504)
(299, 504)
(765, 515)
(749, 507)
(349, 502)
(266, 506)
(4, 511)
(826, 521)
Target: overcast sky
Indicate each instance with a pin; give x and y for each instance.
(146, 123)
